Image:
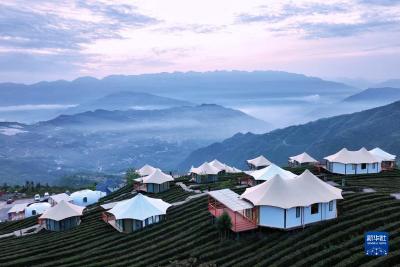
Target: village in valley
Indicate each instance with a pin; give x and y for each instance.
(266, 201)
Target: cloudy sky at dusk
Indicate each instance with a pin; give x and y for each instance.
(48, 40)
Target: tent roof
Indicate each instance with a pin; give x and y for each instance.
(259, 161)
(303, 158)
(353, 157)
(230, 199)
(157, 177)
(18, 207)
(140, 207)
(205, 169)
(62, 211)
(87, 193)
(60, 197)
(382, 155)
(301, 191)
(224, 167)
(146, 170)
(270, 171)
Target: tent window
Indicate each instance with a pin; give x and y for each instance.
(363, 166)
(297, 212)
(373, 165)
(314, 208)
(33, 212)
(331, 205)
(85, 200)
(353, 166)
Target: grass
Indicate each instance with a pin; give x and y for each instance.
(188, 237)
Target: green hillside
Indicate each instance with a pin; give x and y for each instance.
(188, 238)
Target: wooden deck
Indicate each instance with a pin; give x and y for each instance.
(239, 222)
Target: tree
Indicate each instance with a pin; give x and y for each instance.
(130, 176)
(224, 225)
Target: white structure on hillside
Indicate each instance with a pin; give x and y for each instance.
(290, 203)
(36, 209)
(302, 159)
(353, 162)
(224, 167)
(63, 216)
(154, 183)
(55, 199)
(205, 173)
(86, 197)
(267, 173)
(136, 213)
(17, 212)
(146, 170)
(388, 160)
(258, 163)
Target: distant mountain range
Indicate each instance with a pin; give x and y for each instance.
(389, 83)
(375, 127)
(381, 95)
(128, 100)
(112, 141)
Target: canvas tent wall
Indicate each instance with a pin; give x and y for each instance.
(353, 162)
(290, 203)
(86, 197)
(36, 209)
(301, 160)
(258, 163)
(136, 213)
(205, 173)
(61, 217)
(388, 160)
(156, 182)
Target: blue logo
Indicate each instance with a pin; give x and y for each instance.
(376, 243)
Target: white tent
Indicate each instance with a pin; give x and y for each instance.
(54, 199)
(18, 208)
(267, 173)
(224, 167)
(205, 169)
(304, 190)
(157, 177)
(146, 170)
(345, 156)
(140, 207)
(62, 210)
(302, 159)
(86, 197)
(382, 155)
(260, 161)
(36, 209)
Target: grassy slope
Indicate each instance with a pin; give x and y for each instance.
(188, 233)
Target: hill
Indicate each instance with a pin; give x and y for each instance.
(128, 100)
(389, 83)
(187, 237)
(374, 127)
(381, 95)
(112, 141)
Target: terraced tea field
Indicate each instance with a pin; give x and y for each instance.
(188, 234)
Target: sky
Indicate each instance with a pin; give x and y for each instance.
(50, 40)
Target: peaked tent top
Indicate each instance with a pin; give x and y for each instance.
(382, 155)
(223, 167)
(270, 171)
(18, 207)
(62, 211)
(146, 170)
(303, 158)
(353, 157)
(205, 169)
(60, 197)
(259, 161)
(302, 191)
(140, 207)
(157, 177)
